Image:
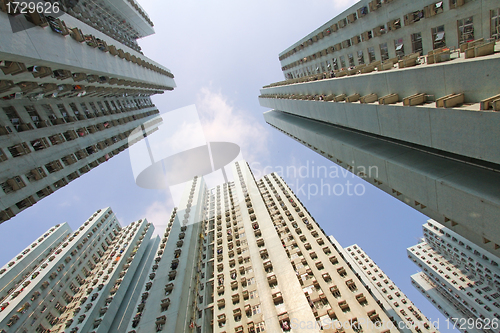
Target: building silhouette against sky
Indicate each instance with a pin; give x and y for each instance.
(408, 89)
(73, 87)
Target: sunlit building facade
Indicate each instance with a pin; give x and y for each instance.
(73, 87)
(255, 261)
(380, 88)
(400, 309)
(57, 280)
(461, 279)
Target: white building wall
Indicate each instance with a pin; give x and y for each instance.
(388, 11)
(52, 285)
(396, 304)
(30, 258)
(467, 275)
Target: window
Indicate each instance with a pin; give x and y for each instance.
(495, 23)
(416, 42)
(251, 281)
(465, 30)
(371, 54)
(384, 51)
(399, 47)
(256, 309)
(335, 64)
(35, 117)
(11, 113)
(351, 60)
(438, 37)
(342, 62)
(253, 294)
(49, 111)
(361, 57)
(92, 105)
(259, 327)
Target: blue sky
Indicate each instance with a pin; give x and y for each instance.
(221, 53)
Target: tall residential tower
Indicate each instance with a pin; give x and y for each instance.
(409, 90)
(71, 279)
(461, 279)
(246, 256)
(73, 87)
(406, 316)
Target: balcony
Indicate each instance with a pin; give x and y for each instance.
(374, 317)
(221, 303)
(361, 299)
(351, 285)
(221, 319)
(335, 291)
(344, 306)
(268, 266)
(248, 310)
(263, 254)
(160, 322)
(235, 298)
(277, 298)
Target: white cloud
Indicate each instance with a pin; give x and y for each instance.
(221, 121)
(159, 213)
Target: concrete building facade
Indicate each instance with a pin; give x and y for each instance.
(256, 261)
(244, 256)
(379, 30)
(72, 89)
(40, 298)
(409, 124)
(405, 315)
(24, 264)
(460, 278)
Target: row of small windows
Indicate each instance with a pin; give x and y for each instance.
(103, 108)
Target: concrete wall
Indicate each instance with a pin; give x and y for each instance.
(43, 47)
(449, 190)
(471, 133)
(479, 10)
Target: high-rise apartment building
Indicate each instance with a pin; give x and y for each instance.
(405, 315)
(24, 264)
(244, 256)
(460, 278)
(255, 261)
(380, 90)
(73, 87)
(74, 281)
